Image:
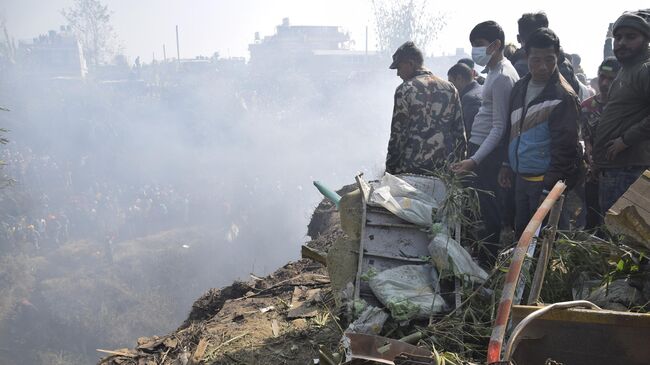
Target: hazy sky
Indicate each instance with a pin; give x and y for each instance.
(229, 26)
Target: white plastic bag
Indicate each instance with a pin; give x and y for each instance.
(446, 252)
(409, 291)
(370, 321)
(405, 201)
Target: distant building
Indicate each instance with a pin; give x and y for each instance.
(439, 65)
(314, 50)
(55, 54)
(291, 43)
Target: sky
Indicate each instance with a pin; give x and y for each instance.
(227, 27)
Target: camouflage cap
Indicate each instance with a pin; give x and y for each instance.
(407, 51)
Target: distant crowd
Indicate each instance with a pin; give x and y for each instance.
(46, 206)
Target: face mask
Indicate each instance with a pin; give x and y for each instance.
(480, 55)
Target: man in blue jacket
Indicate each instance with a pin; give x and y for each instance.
(543, 145)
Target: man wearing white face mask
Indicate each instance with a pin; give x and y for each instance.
(489, 127)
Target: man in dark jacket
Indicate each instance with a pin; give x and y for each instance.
(621, 150)
(470, 93)
(543, 146)
(427, 127)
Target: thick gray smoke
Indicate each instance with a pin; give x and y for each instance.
(136, 189)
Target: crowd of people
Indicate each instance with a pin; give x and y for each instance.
(45, 205)
(531, 121)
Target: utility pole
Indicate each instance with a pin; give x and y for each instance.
(366, 41)
(178, 51)
(164, 53)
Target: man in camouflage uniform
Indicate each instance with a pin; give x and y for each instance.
(427, 127)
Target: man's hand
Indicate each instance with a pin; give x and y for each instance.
(614, 147)
(505, 177)
(463, 166)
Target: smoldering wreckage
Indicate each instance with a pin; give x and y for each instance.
(388, 278)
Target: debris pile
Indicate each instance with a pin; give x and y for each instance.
(400, 306)
(284, 318)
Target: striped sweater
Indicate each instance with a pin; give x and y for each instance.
(544, 133)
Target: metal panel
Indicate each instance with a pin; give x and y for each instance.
(580, 336)
(388, 241)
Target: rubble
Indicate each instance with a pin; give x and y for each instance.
(297, 314)
(235, 325)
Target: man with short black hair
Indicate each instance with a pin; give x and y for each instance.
(427, 126)
(489, 127)
(470, 93)
(621, 149)
(527, 24)
(468, 61)
(543, 147)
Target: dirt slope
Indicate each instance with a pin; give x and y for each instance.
(248, 322)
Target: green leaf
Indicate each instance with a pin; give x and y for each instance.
(620, 265)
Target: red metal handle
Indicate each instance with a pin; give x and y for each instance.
(508, 293)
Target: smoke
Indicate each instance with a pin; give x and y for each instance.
(183, 180)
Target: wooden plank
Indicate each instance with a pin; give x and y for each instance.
(199, 352)
(630, 215)
(117, 353)
(275, 328)
(304, 303)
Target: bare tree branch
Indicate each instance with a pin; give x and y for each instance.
(90, 21)
(398, 21)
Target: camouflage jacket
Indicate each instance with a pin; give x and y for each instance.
(590, 112)
(427, 127)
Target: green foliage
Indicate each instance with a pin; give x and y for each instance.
(358, 306)
(436, 228)
(402, 309)
(578, 255)
(371, 273)
(465, 332)
(627, 266)
(461, 204)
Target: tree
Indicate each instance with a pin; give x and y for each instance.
(90, 21)
(7, 50)
(398, 21)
